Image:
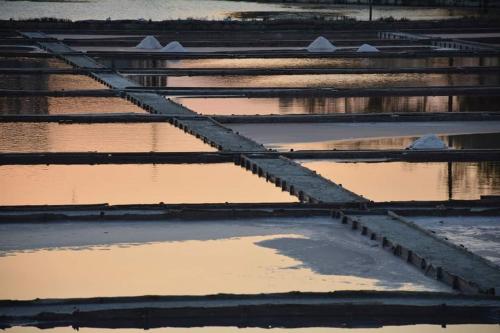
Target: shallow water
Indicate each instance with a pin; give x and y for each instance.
(205, 9)
(394, 181)
(468, 328)
(122, 184)
(300, 62)
(332, 105)
(465, 141)
(480, 235)
(53, 137)
(249, 257)
(27, 62)
(370, 135)
(66, 105)
(320, 80)
(48, 82)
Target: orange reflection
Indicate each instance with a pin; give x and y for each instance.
(143, 137)
(120, 184)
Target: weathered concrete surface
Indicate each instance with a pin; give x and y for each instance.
(113, 80)
(299, 181)
(217, 136)
(436, 257)
(157, 104)
(265, 310)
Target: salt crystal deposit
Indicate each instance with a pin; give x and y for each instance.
(367, 48)
(149, 42)
(174, 46)
(321, 44)
(429, 141)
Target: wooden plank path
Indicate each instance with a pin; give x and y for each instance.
(204, 128)
(436, 257)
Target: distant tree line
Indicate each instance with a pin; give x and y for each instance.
(440, 3)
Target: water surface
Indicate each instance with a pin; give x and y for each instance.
(66, 105)
(331, 105)
(395, 181)
(130, 183)
(248, 257)
(53, 137)
(48, 82)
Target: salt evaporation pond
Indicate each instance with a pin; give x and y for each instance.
(232, 256)
(116, 62)
(53, 137)
(463, 141)
(66, 105)
(48, 82)
(132, 183)
(32, 62)
(403, 181)
(479, 234)
(319, 80)
(368, 135)
(331, 105)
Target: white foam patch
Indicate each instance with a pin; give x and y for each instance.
(321, 44)
(174, 46)
(150, 43)
(429, 141)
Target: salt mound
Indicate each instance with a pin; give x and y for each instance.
(429, 141)
(367, 48)
(149, 42)
(174, 46)
(321, 44)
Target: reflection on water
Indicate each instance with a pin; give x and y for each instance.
(214, 10)
(320, 80)
(122, 184)
(66, 105)
(27, 62)
(48, 82)
(301, 62)
(393, 181)
(144, 137)
(471, 328)
(250, 257)
(328, 105)
(465, 141)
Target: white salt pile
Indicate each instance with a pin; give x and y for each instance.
(321, 44)
(367, 48)
(149, 42)
(429, 141)
(174, 46)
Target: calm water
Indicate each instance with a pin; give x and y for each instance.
(204, 9)
(49, 82)
(328, 105)
(144, 137)
(394, 181)
(321, 80)
(299, 63)
(280, 255)
(465, 141)
(473, 328)
(123, 184)
(27, 62)
(66, 105)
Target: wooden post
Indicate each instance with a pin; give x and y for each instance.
(371, 9)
